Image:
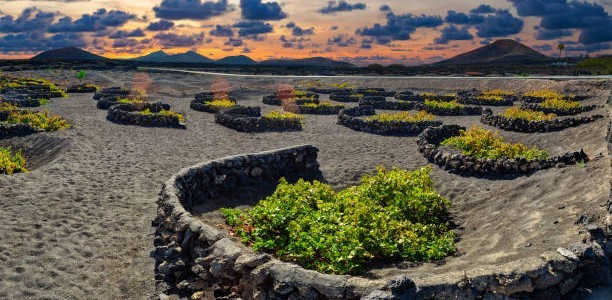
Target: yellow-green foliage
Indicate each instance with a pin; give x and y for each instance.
(357, 95)
(480, 143)
(490, 98)
(320, 104)
(5, 106)
(394, 214)
(163, 112)
(558, 103)
(546, 94)
(221, 103)
(298, 94)
(277, 115)
(405, 116)
(434, 95)
(598, 65)
(11, 162)
(497, 92)
(40, 120)
(443, 104)
(129, 100)
(526, 114)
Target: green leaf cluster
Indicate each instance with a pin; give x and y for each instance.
(443, 104)
(404, 116)
(480, 143)
(40, 120)
(392, 215)
(527, 114)
(11, 162)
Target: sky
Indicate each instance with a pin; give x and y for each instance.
(408, 32)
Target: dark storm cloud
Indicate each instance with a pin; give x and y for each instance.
(253, 28)
(127, 34)
(547, 34)
(454, 17)
(256, 10)
(295, 42)
(334, 7)
(341, 40)
(399, 27)
(501, 24)
(179, 40)
(299, 31)
(38, 41)
(594, 23)
(30, 19)
(483, 9)
(222, 30)
(191, 9)
(384, 8)
(290, 25)
(161, 25)
(453, 33)
(97, 21)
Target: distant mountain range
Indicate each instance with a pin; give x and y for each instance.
(499, 52)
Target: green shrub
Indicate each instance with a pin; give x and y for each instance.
(394, 214)
(405, 116)
(129, 100)
(276, 115)
(11, 162)
(320, 104)
(40, 120)
(526, 114)
(443, 104)
(497, 92)
(480, 143)
(164, 112)
(221, 103)
(5, 106)
(558, 103)
(546, 94)
(298, 94)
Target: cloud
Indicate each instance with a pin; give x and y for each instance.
(30, 19)
(545, 47)
(334, 7)
(127, 34)
(453, 33)
(222, 30)
(191, 9)
(591, 19)
(253, 28)
(547, 34)
(384, 8)
(399, 27)
(234, 42)
(256, 10)
(297, 43)
(483, 9)
(501, 24)
(299, 31)
(97, 21)
(38, 41)
(290, 24)
(589, 48)
(341, 40)
(160, 25)
(179, 40)
(454, 17)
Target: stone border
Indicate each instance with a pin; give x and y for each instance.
(533, 99)
(272, 100)
(15, 130)
(559, 112)
(192, 256)
(111, 92)
(522, 125)
(318, 110)
(23, 102)
(389, 105)
(128, 114)
(249, 119)
(344, 97)
(457, 111)
(350, 118)
(200, 105)
(429, 144)
(475, 101)
(81, 88)
(34, 92)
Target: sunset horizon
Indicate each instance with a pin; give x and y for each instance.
(359, 32)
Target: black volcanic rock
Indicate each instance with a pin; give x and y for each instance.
(499, 52)
(68, 53)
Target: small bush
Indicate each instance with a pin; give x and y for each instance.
(39, 120)
(11, 162)
(394, 214)
(443, 104)
(526, 114)
(164, 112)
(558, 103)
(276, 115)
(497, 92)
(319, 104)
(221, 103)
(546, 94)
(298, 94)
(480, 143)
(5, 106)
(405, 116)
(129, 100)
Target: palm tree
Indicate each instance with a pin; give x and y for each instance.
(560, 47)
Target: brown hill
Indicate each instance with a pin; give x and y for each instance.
(499, 52)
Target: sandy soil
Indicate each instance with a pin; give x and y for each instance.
(78, 225)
